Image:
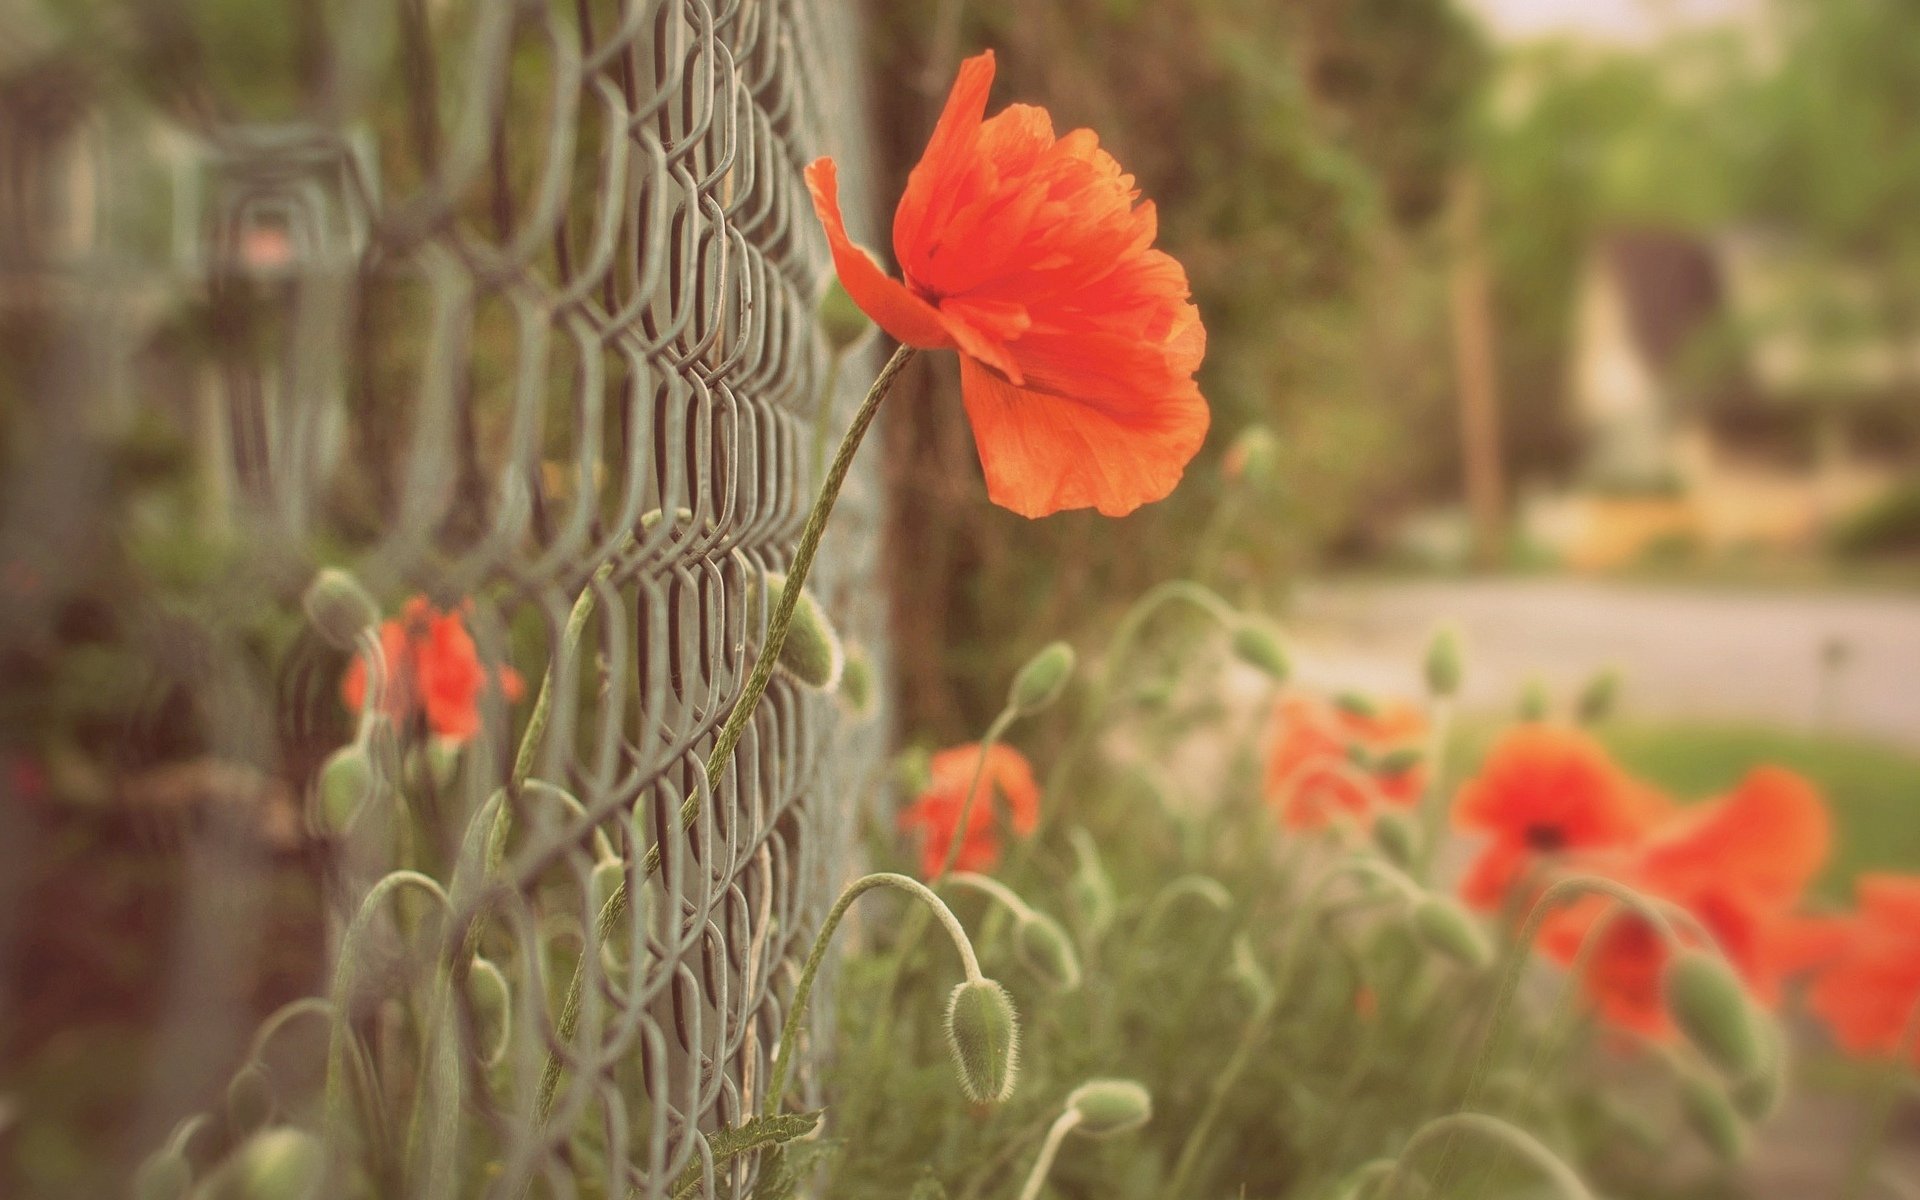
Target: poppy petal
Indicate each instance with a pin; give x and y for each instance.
(1044, 453)
(906, 317)
(931, 184)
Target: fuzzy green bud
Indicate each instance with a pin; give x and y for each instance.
(1094, 896)
(841, 320)
(983, 1033)
(1708, 1003)
(164, 1176)
(1713, 1117)
(1357, 705)
(857, 688)
(1109, 1107)
(1396, 836)
(1445, 926)
(1042, 680)
(811, 653)
(249, 1101)
(1256, 645)
(1598, 698)
(1398, 761)
(1445, 664)
(345, 784)
(340, 609)
(279, 1164)
(492, 1009)
(1759, 1095)
(1043, 947)
(1253, 456)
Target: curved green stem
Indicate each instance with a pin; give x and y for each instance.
(1445, 1129)
(989, 886)
(1880, 1105)
(1223, 1085)
(803, 991)
(1037, 1177)
(994, 732)
(1433, 803)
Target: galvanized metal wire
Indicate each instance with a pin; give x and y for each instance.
(495, 302)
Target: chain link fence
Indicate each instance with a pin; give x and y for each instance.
(490, 302)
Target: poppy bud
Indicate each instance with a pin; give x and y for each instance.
(1707, 1002)
(1446, 927)
(1041, 681)
(165, 1176)
(913, 770)
(1043, 948)
(1253, 456)
(1108, 1107)
(279, 1164)
(841, 321)
(345, 784)
(984, 1034)
(1444, 665)
(1533, 701)
(1712, 1117)
(1255, 645)
(1599, 698)
(1758, 1095)
(1396, 837)
(249, 1101)
(492, 1009)
(1397, 761)
(857, 684)
(1094, 897)
(811, 653)
(340, 609)
(1357, 705)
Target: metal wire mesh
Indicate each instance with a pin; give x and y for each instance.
(479, 300)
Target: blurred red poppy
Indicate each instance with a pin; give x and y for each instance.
(936, 812)
(1029, 255)
(1326, 760)
(1545, 792)
(1869, 989)
(433, 669)
(1738, 865)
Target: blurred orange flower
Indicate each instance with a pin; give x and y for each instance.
(1869, 990)
(1738, 865)
(1029, 255)
(1331, 759)
(1546, 791)
(433, 668)
(936, 812)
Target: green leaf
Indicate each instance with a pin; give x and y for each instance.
(756, 1133)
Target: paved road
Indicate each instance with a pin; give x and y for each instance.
(1693, 652)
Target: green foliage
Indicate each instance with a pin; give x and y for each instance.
(756, 1133)
(1890, 526)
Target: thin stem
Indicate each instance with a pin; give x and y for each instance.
(1037, 1177)
(992, 887)
(987, 743)
(803, 991)
(1880, 1105)
(1433, 804)
(536, 729)
(1223, 1085)
(1447, 1128)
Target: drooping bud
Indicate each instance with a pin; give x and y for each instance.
(1713, 1117)
(1394, 833)
(164, 1176)
(1094, 896)
(1759, 1095)
(841, 321)
(340, 609)
(1445, 665)
(857, 688)
(492, 1009)
(1357, 705)
(811, 653)
(1253, 456)
(1109, 1107)
(1042, 680)
(249, 1101)
(913, 770)
(1043, 947)
(1706, 1000)
(1398, 761)
(279, 1164)
(984, 1034)
(1599, 698)
(1445, 926)
(344, 785)
(1256, 645)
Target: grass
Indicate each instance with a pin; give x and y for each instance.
(1873, 788)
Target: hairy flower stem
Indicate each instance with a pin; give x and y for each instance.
(1037, 1177)
(803, 991)
(1559, 1176)
(1118, 651)
(615, 908)
(1880, 1105)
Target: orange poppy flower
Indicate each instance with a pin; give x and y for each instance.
(1328, 760)
(1868, 992)
(434, 669)
(936, 812)
(1545, 791)
(1028, 254)
(1738, 865)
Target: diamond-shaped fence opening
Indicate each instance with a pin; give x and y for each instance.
(492, 303)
